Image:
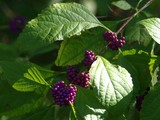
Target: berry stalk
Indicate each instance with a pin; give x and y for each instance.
(74, 111)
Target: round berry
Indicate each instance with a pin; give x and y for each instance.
(139, 100)
(17, 24)
(63, 94)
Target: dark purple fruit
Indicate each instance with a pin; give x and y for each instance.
(63, 94)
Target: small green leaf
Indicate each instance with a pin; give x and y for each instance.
(72, 50)
(25, 85)
(150, 107)
(59, 21)
(15, 72)
(34, 75)
(153, 27)
(122, 4)
(112, 84)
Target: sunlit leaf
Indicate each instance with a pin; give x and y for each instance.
(153, 27)
(112, 84)
(59, 21)
(122, 4)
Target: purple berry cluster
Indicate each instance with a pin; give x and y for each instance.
(89, 58)
(76, 77)
(113, 42)
(17, 24)
(82, 79)
(63, 94)
(72, 72)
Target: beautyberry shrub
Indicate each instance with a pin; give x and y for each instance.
(63, 94)
(113, 42)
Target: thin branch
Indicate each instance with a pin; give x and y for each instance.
(130, 18)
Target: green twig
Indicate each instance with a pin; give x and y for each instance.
(74, 111)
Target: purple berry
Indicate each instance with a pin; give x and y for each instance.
(113, 42)
(89, 58)
(139, 100)
(72, 72)
(82, 80)
(17, 24)
(63, 94)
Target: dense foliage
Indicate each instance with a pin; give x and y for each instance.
(80, 60)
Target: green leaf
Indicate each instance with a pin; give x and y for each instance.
(139, 34)
(72, 50)
(88, 106)
(14, 73)
(139, 59)
(15, 103)
(122, 4)
(59, 21)
(66, 110)
(30, 80)
(7, 52)
(153, 27)
(150, 107)
(124, 62)
(112, 84)
(25, 85)
(23, 109)
(44, 114)
(34, 75)
(33, 47)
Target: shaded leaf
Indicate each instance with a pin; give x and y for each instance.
(88, 107)
(72, 50)
(139, 34)
(150, 107)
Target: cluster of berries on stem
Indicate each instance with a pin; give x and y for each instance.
(113, 42)
(89, 58)
(81, 78)
(65, 94)
(78, 78)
